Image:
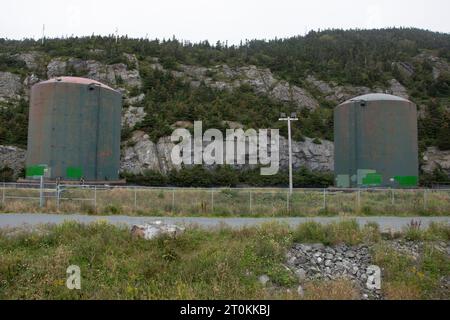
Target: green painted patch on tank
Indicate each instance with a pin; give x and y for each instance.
(74, 173)
(362, 174)
(35, 171)
(372, 179)
(407, 181)
(343, 181)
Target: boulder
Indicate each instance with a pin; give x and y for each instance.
(264, 280)
(156, 229)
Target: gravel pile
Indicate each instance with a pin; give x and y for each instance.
(318, 262)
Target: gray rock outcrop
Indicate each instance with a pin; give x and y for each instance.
(224, 77)
(406, 69)
(140, 154)
(132, 116)
(397, 89)
(337, 93)
(309, 154)
(10, 86)
(13, 158)
(33, 59)
(436, 159)
(114, 75)
(438, 64)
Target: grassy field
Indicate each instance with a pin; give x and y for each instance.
(232, 202)
(200, 264)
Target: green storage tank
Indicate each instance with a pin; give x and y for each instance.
(376, 142)
(74, 130)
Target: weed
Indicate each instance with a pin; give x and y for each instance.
(113, 209)
(331, 290)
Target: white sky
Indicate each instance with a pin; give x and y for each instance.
(213, 20)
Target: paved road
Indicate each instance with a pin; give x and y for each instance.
(386, 223)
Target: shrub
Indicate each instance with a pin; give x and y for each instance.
(113, 209)
(310, 232)
(88, 208)
(413, 232)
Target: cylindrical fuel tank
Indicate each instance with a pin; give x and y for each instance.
(376, 142)
(74, 130)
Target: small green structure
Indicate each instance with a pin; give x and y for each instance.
(376, 142)
(74, 129)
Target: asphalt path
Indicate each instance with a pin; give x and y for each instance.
(33, 219)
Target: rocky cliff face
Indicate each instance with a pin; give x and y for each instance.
(10, 86)
(439, 65)
(224, 77)
(140, 154)
(338, 94)
(116, 75)
(13, 158)
(436, 159)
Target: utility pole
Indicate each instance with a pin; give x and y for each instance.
(43, 34)
(292, 117)
(117, 35)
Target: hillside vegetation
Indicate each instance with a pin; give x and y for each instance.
(320, 66)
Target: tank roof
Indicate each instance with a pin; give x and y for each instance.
(76, 80)
(377, 97)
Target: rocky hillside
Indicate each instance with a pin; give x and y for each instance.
(169, 84)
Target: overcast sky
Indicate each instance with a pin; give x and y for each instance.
(213, 20)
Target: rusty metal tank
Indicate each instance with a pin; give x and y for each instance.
(376, 142)
(74, 130)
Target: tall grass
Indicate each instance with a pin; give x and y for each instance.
(233, 202)
(221, 263)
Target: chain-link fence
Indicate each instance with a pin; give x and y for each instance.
(222, 202)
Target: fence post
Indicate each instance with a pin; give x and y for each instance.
(135, 198)
(392, 197)
(287, 200)
(425, 199)
(95, 197)
(41, 192)
(324, 199)
(3, 192)
(212, 201)
(173, 200)
(57, 197)
(251, 209)
(359, 199)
